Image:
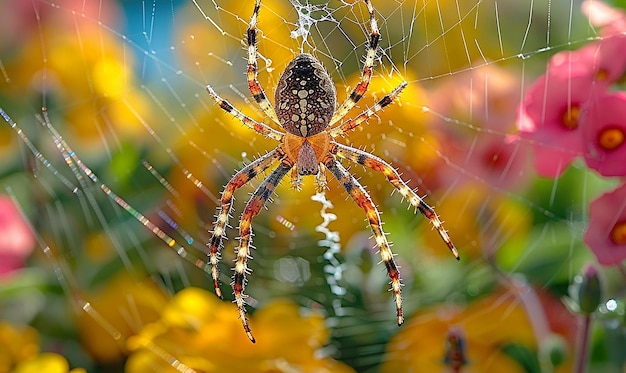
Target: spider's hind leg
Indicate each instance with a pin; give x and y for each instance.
(364, 201)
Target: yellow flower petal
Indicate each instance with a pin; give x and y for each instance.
(199, 331)
(17, 344)
(113, 305)
(46, 362)
(487, 325)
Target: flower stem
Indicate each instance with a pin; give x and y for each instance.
(583, 345)
(622, 271)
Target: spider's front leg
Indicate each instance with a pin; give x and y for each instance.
(366, 75)
(221, 220)
(353, 123)
(254, 205)
(261, 128)
(364, 201)
(253, 83)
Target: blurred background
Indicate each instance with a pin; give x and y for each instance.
(103, 259)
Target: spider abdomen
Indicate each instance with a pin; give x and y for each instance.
(305, 97)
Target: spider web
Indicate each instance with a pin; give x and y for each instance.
(134, 109)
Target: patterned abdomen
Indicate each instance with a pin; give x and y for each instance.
(305, 97)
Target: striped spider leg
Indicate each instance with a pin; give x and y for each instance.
(366, 75)
(253, 83)
(360, 196)
(375, 163)
(305, 107)
(240, 179)
(254, 205)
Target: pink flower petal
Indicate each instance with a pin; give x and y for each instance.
(603, 15)
(18, 240)
(603, 121)
(606, 214)
(548, 120)
(606, 58)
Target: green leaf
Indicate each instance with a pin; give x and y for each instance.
(547, 255)
(124, 163)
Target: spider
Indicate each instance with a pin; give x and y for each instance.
(306, 108)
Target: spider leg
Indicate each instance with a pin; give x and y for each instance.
(247, 121)
(253, 207)
(253, 83)
(352, 123)
(360, 89)
(238, 180)
(364, 201)
(377, 164)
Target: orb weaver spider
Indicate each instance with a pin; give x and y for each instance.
(305, 106)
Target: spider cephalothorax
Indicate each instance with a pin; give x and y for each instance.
(305, 106)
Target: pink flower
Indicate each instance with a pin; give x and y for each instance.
(497, 160)
(600, 14)
(17, 240)
(606, 233)
(605, 59)
(485, 97)
(548, 116)
(603, 123)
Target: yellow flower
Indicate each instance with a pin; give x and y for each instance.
(117, 312)
(19, 353)
(46, 362)
(16, 344)
(214, 54)
(88, 73)
(198, 331)
(487, 325)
